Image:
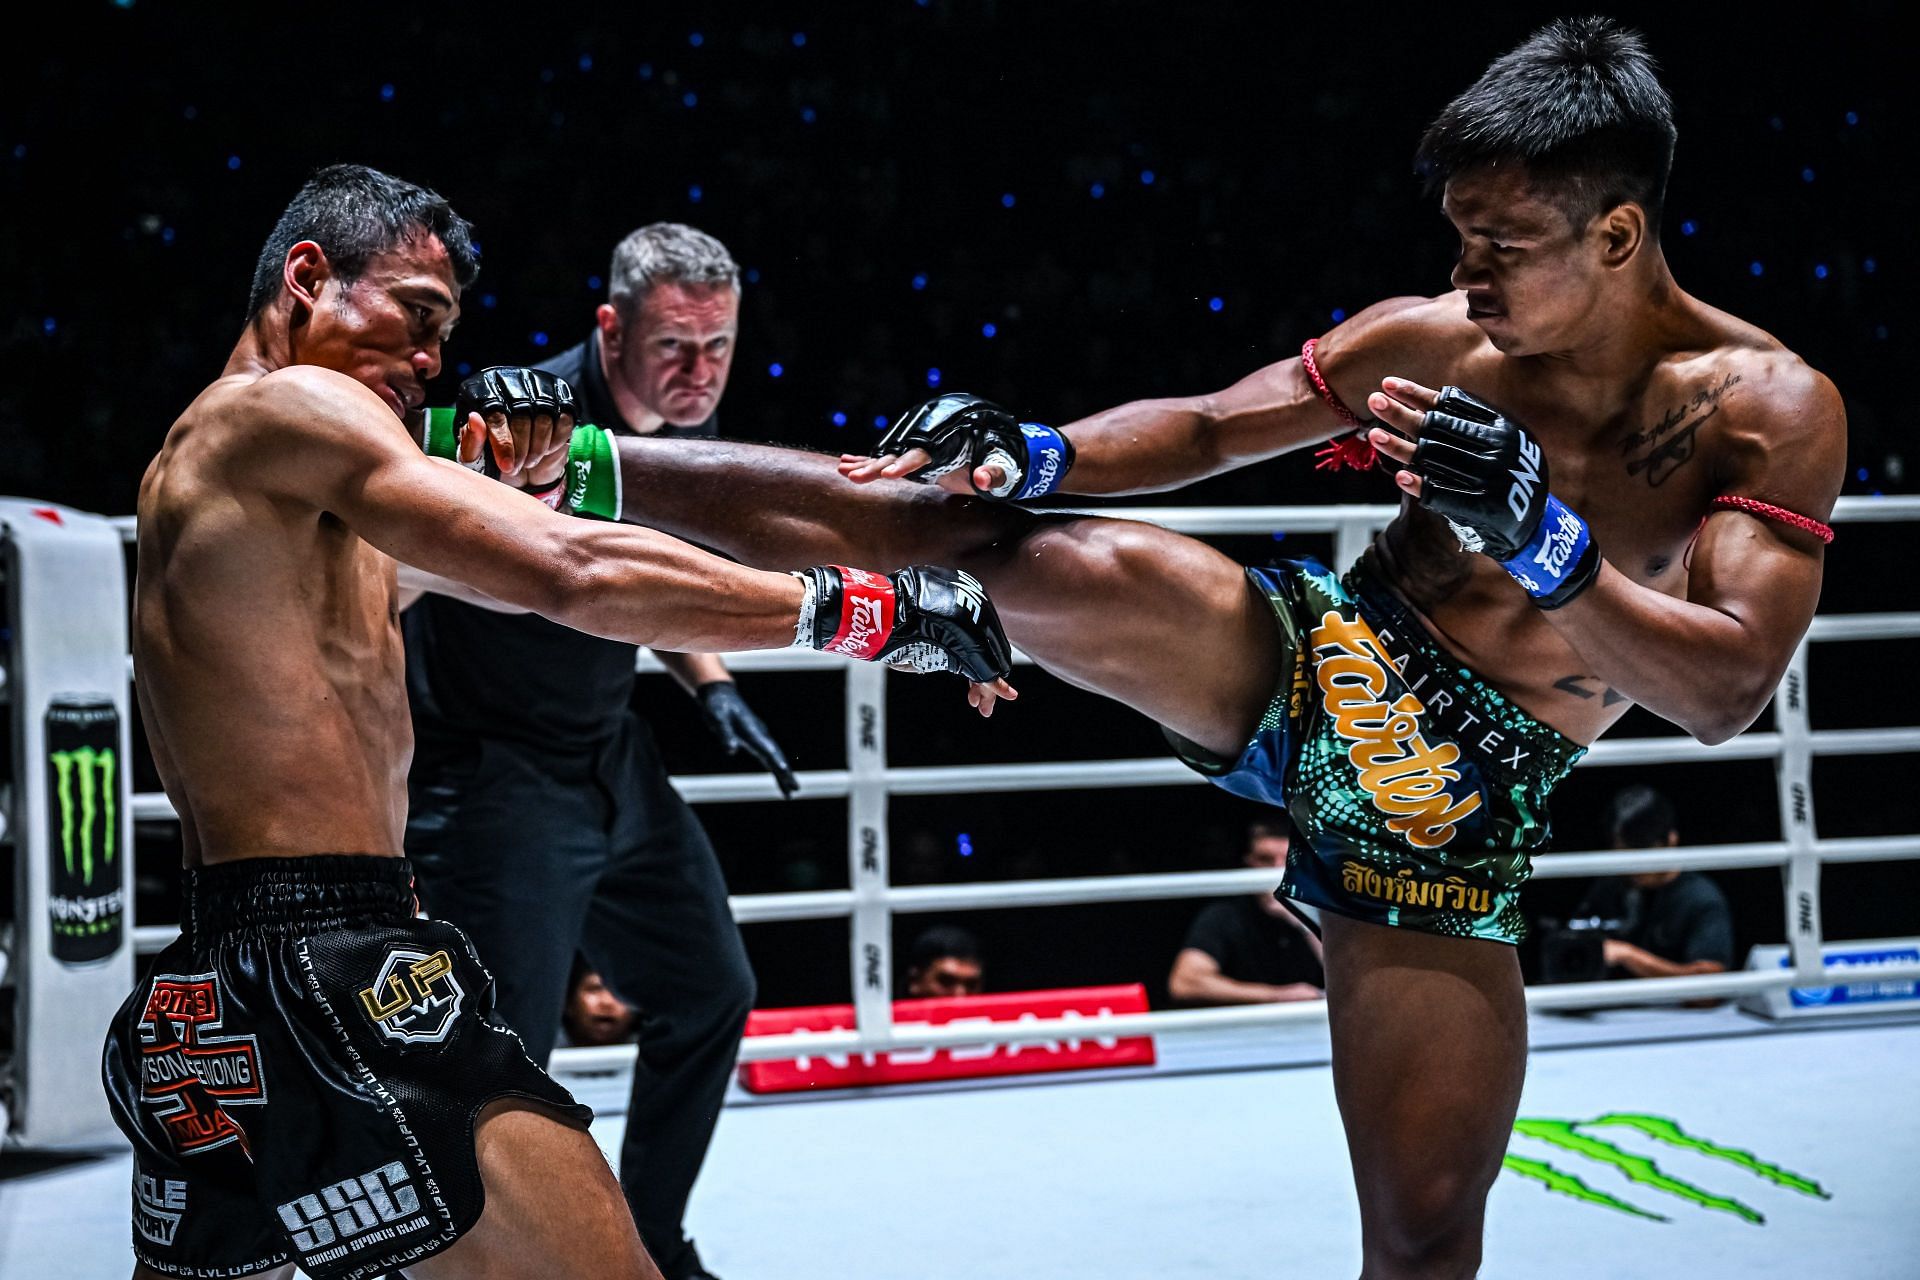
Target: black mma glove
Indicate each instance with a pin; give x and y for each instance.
(1485, 473)
(922, 619)
(959, 430)
(518, 393)
(738, 729)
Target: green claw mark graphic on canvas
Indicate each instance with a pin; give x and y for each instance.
(75, 770)
(1641, 1170)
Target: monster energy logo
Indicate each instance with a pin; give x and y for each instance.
(85, 785)
(1576, 1138)
(86, 900)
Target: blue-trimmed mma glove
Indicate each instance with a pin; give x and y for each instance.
(518, 392)
(1485, 473)
(919, 619)
(959, 430)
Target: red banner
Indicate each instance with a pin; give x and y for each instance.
(899, 1066)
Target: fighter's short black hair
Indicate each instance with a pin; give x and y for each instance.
(943, 940)
(1579, 103)
(1640, 818)
(354, 213)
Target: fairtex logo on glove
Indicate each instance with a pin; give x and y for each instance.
(1559, 542)
(1556, 553)
(866, 614)
(1047, 457)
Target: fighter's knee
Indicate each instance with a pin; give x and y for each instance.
(1430, 1229)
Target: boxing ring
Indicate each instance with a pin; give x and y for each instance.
(1663, 1142)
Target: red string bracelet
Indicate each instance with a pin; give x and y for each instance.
(1767, 511)
(1350, 450)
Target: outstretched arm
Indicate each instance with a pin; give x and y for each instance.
(1150, 445)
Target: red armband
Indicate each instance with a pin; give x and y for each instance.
(1350, 450)
(1767, 511)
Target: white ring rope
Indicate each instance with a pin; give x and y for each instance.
(873, 903)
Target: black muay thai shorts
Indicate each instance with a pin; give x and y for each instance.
(300, 1075)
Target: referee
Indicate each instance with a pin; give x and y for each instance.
(541, 820)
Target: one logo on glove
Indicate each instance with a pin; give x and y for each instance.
(1520, 492)
(189, 1077)
(415, 998)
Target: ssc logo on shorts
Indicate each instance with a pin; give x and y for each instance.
(353, 1214)
(415, 998)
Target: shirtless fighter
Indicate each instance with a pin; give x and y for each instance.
(1650, 534)
(309, 1074)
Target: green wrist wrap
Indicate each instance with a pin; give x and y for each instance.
(593, 469)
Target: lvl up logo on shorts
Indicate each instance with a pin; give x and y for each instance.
(188, 1076)
(1641, 1170)
(415, 998)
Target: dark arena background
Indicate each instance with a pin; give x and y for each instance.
(1061, 206)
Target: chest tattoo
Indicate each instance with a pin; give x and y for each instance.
(1666, 446)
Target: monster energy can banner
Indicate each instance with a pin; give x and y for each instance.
(86, 898)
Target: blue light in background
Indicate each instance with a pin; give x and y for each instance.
(879, 422)
(1146, 177)
(1861, 475)
(1820, 271)
(49, 326)
(988, 330)
(964, 843)
(1869, 266)
(920, 281)
(464, 368)
(1756, 268)
(1215, 304)
(933, 377)
(807, 116)
(586, 62)
(694, 193)
(839, 419)
(799, 39)
(689, 99)
(594, 282)
(1853, 117)
(540, 338)
(1097, 190)
(1806, 175)
(753, 275)
(233, 162)
(386, 93)
(775, 369)
(1688, 227)
(1339, 314)
(696, 39)
(1006, 201)
(489, 301)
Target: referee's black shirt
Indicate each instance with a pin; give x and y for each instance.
(475, 672)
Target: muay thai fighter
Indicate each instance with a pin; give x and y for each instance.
(309, 1075)
(1625, 508)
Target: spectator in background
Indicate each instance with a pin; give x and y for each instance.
(1665, 923)
(1250, 949)
(945, 961)
(593, 1014)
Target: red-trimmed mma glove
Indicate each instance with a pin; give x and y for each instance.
(959, 430)
(920, 619)
(519, 392)
(1485, 473)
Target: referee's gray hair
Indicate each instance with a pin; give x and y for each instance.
(667, 251)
